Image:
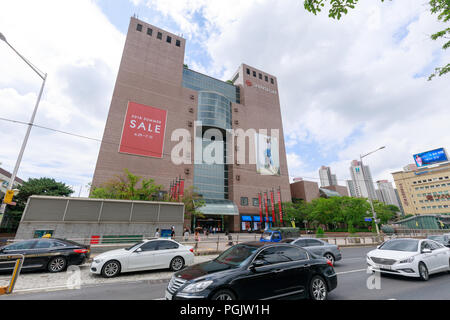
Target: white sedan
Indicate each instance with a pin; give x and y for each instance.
(145, 255)
(410, 257)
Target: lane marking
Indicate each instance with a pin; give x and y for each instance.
(351, 271)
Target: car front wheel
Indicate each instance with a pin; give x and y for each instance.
(423, 271)
(318, 289)
(111, 269)
(223, 295)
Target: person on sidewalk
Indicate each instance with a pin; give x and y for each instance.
(186, 234)
(157, 233)
(230, 238)
(196, 239)
(172, 234)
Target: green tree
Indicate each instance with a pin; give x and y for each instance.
(439, 7)
(384, 212)
(127, 187)
(192, 203)
(40, 186)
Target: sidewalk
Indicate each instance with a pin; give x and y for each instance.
(43, 281)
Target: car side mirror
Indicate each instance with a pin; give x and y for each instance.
(426, 250)
(256, 264)
(138, 250)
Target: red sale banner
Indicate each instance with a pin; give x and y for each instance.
(143, 131)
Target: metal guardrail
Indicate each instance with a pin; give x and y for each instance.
(216, 242)
(16, 271)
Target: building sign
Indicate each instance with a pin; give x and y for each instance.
(430, 157)
(265, 88)
(143, 131)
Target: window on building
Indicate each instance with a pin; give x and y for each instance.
(255, 202)
(139, 27)
(248, 71)
(159, 36)
(271, 81)
(169, 39)
(149, 31)
(254, 73)
(260, 76)
(266, 78)
(244, 201)
(178, 43)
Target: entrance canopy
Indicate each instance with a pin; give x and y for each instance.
(219, 207)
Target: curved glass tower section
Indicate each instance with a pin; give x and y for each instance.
(214, 110)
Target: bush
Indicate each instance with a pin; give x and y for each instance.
(388, 229)
(320, 233)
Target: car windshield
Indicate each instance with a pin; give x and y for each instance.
(134, 245)
(266, 235)
(237, 255)
(409, 245)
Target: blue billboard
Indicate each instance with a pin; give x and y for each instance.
(430, 157)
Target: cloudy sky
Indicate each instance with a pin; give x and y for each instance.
(346, 87)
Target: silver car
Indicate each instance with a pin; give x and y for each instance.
(318, 247)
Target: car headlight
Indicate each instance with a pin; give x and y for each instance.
(369, 258)
(197, 287)
(409, 260)
(98, 260)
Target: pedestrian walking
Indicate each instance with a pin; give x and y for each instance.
(196, 239)
(157, 233)
(172, 234)
(230, 238)
(186, 235)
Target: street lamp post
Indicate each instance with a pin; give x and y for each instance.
(43, 76)
(374, 214)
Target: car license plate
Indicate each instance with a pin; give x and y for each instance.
(380, 266)
(168, 296)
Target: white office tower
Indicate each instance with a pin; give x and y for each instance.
(362, 181)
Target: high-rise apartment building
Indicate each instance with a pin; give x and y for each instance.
(362, 181)
(326, 177)
(386, 193)
(168, 121)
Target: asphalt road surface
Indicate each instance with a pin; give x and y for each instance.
(352, 285)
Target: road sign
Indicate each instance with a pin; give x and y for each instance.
(368, 219)
(9, 196)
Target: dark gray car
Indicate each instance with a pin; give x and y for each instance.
(442, 239)
(318, 247)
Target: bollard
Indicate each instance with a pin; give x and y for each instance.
(16, 271)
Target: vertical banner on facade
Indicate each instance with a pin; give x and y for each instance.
(260, 209)
(143, 131)
(181, 189)
(176, 190)
(273, 206)
(267, 211)
(279, 205)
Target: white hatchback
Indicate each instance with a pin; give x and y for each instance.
(410, 257)
(145, 255)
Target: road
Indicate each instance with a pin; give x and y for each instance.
(352, 285)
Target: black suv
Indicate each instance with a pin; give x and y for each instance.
(256, 270)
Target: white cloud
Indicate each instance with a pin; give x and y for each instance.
(352, 78)
(80, 50)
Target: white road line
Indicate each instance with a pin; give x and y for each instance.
(351, 271)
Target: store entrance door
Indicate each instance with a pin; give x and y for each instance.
(210, 223)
